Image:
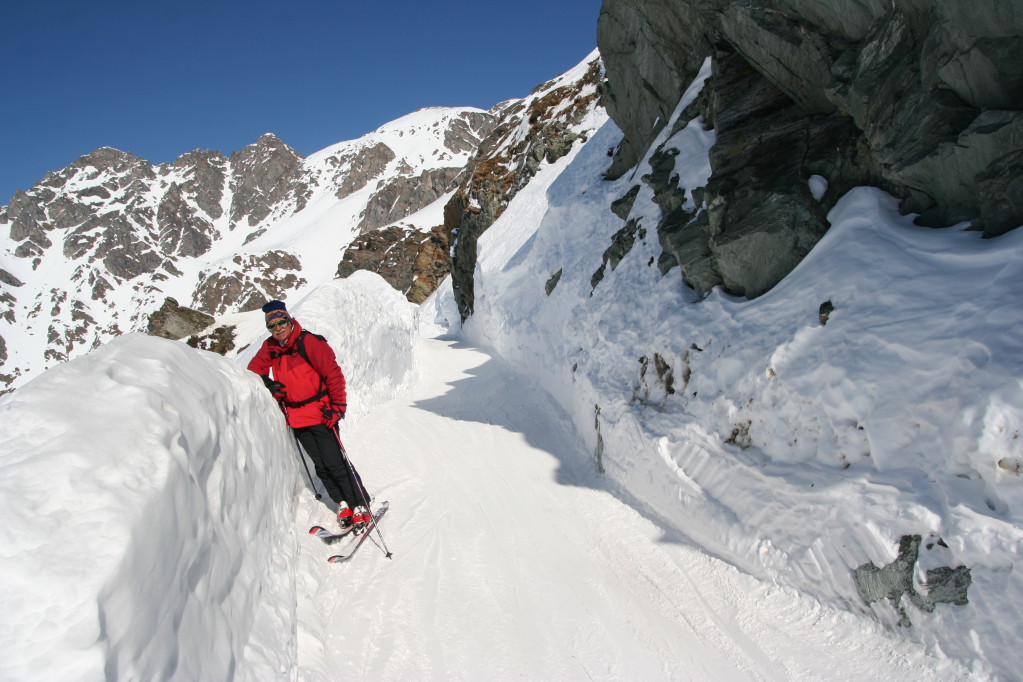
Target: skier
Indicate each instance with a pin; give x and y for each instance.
(310, 387)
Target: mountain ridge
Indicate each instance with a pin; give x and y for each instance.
(112, 222)
(108, 241)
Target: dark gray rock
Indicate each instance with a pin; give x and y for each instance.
(622, 206)
(465, 132)
(113, 239)
(182, 231)
(552, 282)
(892, 582)
(922, 99)
(649, 47)
(9, 279)
(253, 279)
(68, 211)
(173, 321)
(621, 243)
(403, 195)
(220, 340)
(356, 170)
(259, 178)
(27, 217)
(207, 179)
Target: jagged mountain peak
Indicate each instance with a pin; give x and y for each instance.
(106, 157)
(266, 144)
(96, 168)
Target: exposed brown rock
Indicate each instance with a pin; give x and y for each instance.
(505, 163)
(411, 261)
(219, 340)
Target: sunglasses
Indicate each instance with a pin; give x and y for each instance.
(274, 326)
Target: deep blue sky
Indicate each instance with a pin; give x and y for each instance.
(159, 78)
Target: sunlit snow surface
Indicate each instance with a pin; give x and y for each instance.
(156, 511)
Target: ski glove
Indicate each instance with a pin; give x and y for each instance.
(333, 414)
(276, 388)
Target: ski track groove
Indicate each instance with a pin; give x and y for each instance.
(507, 566)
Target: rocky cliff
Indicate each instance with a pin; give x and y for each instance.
(540, 128)
(807, 100)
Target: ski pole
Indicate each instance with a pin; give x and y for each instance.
(298, 445)
(362, 489)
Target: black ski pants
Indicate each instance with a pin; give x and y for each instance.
(332, 465)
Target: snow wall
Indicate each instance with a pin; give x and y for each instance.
(148, 489)
(798, 451)
(372, 329)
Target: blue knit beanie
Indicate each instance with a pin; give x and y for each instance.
(275, 310)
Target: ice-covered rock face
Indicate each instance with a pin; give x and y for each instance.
(922, 99)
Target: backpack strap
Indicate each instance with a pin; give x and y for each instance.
(300, 349)
(300, 345)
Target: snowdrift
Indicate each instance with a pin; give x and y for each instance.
(148, 494)
(146, 504)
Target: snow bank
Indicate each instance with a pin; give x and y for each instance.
(146, 508)
(438, 315)
(798, 451)
(148, 494)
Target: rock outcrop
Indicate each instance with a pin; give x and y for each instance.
(895, 581)
(247, 282)
(174, 322)
(404, 195)
(537, 129)
(922, 99)
(411, 261)
(261, 176)
(219, 340)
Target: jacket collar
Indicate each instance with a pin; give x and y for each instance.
(292, 339)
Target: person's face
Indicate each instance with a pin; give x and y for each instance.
(280, 329)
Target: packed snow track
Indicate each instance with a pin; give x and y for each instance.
(513, 561)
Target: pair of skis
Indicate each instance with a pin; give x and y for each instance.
(352, 539)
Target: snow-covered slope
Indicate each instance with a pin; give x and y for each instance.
(512, 561)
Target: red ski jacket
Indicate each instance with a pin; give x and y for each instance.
(309, 386)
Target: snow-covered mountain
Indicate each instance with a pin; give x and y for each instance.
(94, 249)
(98, 248)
